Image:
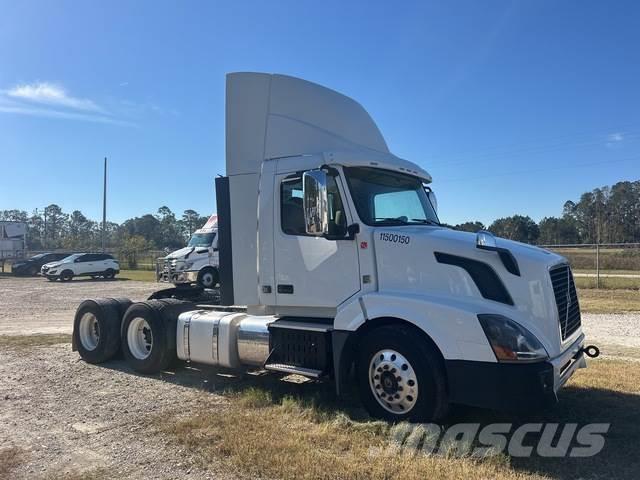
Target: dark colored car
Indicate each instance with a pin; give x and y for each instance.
(31, 266)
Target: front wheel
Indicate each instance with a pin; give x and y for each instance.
(66, 276)
(400, 376)
(208, 277)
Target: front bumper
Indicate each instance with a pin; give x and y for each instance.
(513, 387)
(178, 277)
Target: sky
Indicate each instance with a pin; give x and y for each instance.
(512, 106)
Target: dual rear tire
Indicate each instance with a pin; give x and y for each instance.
(96, 328)
(145, 331)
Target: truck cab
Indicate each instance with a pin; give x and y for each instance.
(197, 263)
(334, 264)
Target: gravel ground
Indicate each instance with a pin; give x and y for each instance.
(34, 305)
(69, 417)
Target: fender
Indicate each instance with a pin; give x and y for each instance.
(451, 323)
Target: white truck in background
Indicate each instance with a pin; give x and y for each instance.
(334, 265)
(197, 263)
(13, 241)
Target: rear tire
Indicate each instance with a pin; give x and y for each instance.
(96, 330)
(208, 277)
(109, 274)
(148, 334)
(66, 276)
(400, 376)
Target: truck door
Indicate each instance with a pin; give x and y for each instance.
(312, 271)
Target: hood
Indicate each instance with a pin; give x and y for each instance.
(448, 238)
(53, 264)
(406, 261)
(181, 253)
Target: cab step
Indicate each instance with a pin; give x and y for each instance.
(291, 369)
(301, 346)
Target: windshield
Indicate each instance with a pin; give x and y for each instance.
(201, 240)
(383, 197)
(39, 256)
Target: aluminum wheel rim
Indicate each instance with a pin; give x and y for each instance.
(393, 381)
(140, 338)
(207, 279)
(89, 331)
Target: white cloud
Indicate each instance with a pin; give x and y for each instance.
(65, 115)
(50, 94)
(614, 139)
(47, 100)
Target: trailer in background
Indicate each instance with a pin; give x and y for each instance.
(13, 241)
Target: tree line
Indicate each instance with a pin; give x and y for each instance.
(53, 229)
(605, 215)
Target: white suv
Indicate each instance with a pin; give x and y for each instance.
(82, 264)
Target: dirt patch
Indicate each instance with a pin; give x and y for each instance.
(34, 305)
(70, 418)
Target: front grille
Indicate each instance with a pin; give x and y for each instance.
(564, 290)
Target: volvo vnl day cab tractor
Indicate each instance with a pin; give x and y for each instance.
(334, 265)
(197, 263)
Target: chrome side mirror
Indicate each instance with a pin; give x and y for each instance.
(315, 203)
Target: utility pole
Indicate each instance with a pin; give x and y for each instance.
(104, 206)
(44, 240)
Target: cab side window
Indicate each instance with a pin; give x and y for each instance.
(292, 211)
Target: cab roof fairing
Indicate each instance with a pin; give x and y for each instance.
(272, 116)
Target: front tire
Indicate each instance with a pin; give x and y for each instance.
(400, 376)
(208, 277)
(66, 276)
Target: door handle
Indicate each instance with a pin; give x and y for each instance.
(285, 289)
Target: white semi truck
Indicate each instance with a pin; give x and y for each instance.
(333, 265)
(197, 263)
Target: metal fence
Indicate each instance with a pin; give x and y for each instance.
(604, 265)
(138, 260)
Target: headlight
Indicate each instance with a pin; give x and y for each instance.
(510, 341)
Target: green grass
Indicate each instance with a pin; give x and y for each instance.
(608, 283)
(609, 301)
(35, 340)
(138, 275)
(10, 459)
(269, 429)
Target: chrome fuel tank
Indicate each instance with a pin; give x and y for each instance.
(228, 339)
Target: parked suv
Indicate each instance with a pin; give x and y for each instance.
(82, 264)
(32, 266)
